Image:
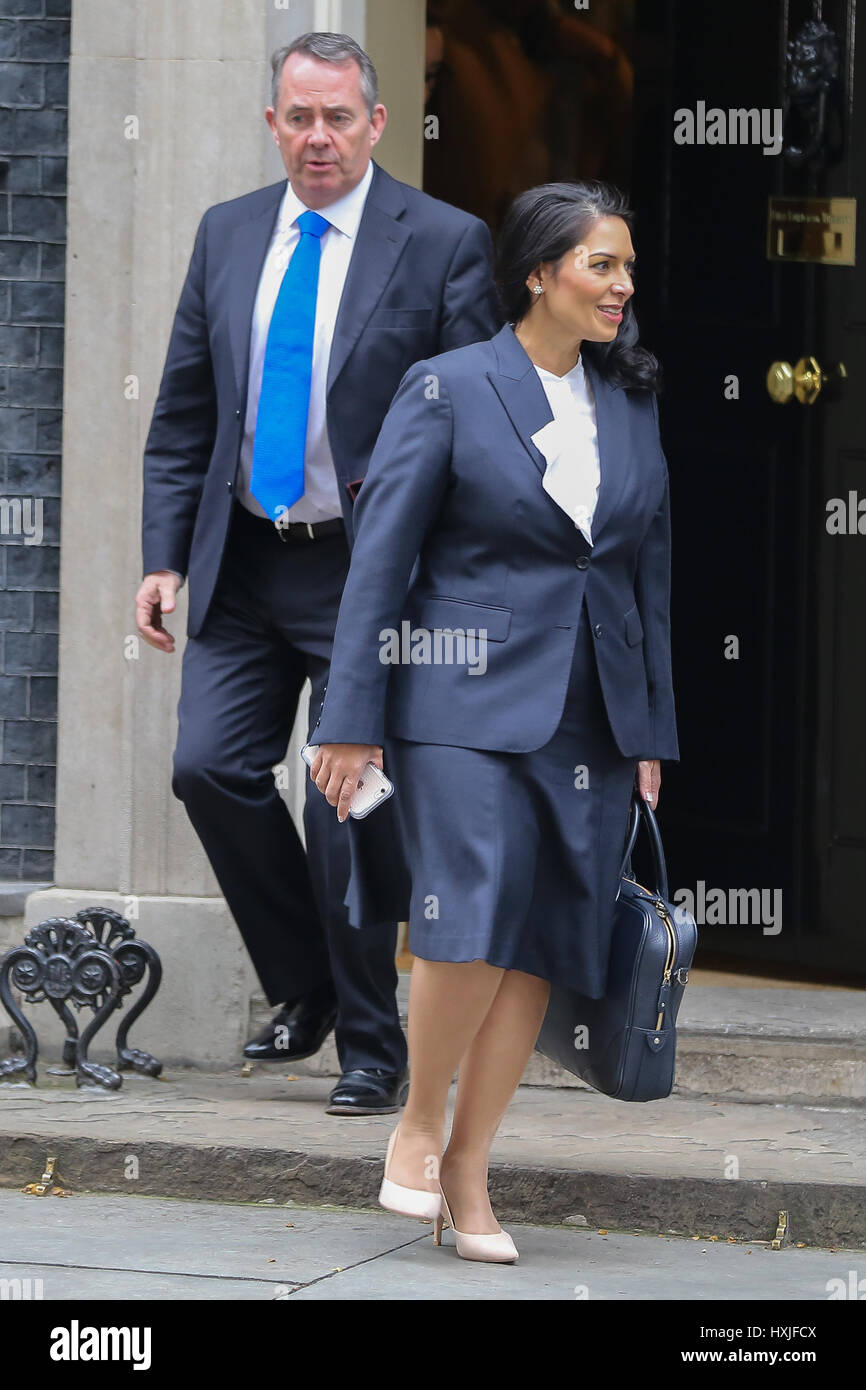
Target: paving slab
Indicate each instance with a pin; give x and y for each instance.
(693, 1166)
(104, 1286)
(131, 1248)
(203, 1240)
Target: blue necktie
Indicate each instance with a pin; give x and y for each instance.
(277, 479)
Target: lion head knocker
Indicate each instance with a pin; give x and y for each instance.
(812, 112)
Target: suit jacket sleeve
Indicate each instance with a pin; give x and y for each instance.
(401, 496)
(470, 308)
(182, 431)
(653, 590)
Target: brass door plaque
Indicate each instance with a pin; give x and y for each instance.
(812, 229)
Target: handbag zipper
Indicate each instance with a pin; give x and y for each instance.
(661, 908)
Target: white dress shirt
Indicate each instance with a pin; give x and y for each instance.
(321, 497)
(569, 443)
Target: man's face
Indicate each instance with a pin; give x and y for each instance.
(322, 128)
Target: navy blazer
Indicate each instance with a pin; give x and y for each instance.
(454, 529)
(419, 282)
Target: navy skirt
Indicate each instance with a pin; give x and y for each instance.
(514, 858)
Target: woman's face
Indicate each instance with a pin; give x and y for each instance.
(585, 295)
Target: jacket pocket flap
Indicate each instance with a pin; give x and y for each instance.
(461, 614)
(633, 627)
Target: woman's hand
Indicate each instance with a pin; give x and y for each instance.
(648, 779)
(336, 771)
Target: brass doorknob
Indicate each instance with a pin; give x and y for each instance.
(780, 382)
(806, 381)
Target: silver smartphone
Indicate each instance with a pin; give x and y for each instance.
(373, 786)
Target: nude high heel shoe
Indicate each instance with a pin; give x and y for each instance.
(407, 1201)
(493, 1249)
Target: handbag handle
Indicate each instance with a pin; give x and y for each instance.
(641, 809)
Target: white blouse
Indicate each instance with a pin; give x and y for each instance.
(569, 443)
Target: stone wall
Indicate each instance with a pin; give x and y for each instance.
(34, 69)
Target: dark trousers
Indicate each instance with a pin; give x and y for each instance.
(271, 624)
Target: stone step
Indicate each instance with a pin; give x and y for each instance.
(759, 1044)
(688, 1166)
(763, 1045)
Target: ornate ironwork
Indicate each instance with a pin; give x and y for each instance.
(134, 958)
(91, 961)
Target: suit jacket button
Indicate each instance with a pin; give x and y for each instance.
(598, 629)
(237, 414)
(582, 562)
(229, 486)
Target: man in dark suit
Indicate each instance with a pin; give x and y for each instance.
(304, 305)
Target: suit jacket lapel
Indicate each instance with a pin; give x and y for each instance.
(249, 247)
(518, 386)
(378, 247)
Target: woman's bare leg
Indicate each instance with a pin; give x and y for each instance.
(448, 1003)
(489, 1075)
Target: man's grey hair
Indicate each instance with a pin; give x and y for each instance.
(328, 48)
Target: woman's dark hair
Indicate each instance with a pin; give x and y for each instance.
(544, 224)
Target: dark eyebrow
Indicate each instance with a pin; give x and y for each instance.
(333, 106)
(610, 255)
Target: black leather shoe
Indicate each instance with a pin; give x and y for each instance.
(296, 1032)
(370, 1092)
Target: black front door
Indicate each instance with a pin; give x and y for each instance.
(765, 815)
(696, 111)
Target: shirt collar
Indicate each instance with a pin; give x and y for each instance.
(574, 375)
(345, 214)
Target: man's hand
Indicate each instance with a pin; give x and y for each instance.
(648, 779)
(337, 768)
(155, 597)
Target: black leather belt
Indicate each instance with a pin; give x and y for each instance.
(309, 530)
(294, 530)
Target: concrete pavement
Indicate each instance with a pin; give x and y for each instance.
(132, 1248)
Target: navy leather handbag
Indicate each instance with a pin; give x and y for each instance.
(625, 1043)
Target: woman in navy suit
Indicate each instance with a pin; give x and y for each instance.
(504, 633)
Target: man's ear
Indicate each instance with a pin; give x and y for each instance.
(378, 120)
